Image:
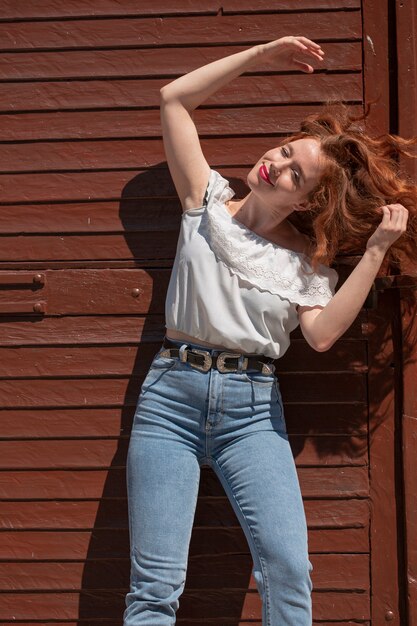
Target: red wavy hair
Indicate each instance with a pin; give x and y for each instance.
(362, 173)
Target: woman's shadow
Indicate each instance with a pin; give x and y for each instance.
(220, 564)
(219, 581)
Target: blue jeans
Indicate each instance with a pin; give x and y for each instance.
(234, 423)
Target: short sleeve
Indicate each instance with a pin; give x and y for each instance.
(218, 189)
(319, 290)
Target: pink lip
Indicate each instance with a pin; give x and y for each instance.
(263, 172)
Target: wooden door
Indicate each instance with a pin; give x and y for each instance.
(89, 223)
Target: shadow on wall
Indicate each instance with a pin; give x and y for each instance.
(219, 557)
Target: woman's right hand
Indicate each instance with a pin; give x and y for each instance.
(290, 51)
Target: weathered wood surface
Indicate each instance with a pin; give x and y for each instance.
(271, 89)
(173, 31)
(20, 10)
(87, 201)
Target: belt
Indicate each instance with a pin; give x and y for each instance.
(204, 360)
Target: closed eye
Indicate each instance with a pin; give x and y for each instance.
(295, 174)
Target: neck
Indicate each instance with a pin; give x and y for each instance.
(260, 218)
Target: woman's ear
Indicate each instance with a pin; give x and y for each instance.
(305, 206)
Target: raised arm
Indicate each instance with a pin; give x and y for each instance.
(321, 327)
(186, 162)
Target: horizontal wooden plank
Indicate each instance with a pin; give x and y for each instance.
(310, 419)
(86, 330)
(102, 392)
(65, 293)
(114, 544)
(103, 453)
(328, 482)
(211, 511)
(185, 622)
(89, 185)
(102, 94)
(216, 604)
(177, 31)
(345, 356)
(111, 154)
(342, 572)
(193, 622)
(159, 214)
(126, 153)
(145, 245)
(149, 62)
(44, 9)
(113, 360)
(146, 123)
(225, 622)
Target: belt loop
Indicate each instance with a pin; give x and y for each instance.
(240, 363)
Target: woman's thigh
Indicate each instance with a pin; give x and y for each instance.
(163, 469)
(162, 482)
(251, 453)
(259, 476)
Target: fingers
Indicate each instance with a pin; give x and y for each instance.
(309, 42)
(395, 217)
(286, 47)
(313, 48)
(305, 67)
(307, 47)
(405, 220)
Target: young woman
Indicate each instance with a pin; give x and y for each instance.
(244, 277)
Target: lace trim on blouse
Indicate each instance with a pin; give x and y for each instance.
(265, 265)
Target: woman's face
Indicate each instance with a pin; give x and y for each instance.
(285, 175)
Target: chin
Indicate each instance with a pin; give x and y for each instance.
(252, 179)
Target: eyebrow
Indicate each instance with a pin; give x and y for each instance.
(291, 151)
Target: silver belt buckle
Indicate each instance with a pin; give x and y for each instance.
(268, 368)
(226, 355)
(207, 359)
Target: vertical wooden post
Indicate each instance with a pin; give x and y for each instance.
(406, 17)
(382, 396)
(406, 27)
(376, 65)
(385, 598)
(409, 455)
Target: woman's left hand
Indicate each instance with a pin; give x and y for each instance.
(285, 50)
(392, 226)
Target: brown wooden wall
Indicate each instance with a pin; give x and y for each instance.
(89, 224)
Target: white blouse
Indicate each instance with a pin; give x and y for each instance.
(231, 287)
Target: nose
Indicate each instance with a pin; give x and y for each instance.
(275, 171)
